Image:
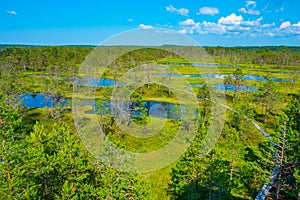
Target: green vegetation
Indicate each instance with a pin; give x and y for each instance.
(42, 156)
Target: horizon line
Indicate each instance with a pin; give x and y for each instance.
(93, 45)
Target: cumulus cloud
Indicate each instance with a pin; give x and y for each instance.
(12, 12)
(187, 22)
(208, 11)
(146, 27)
(249, 8)
(231, 19)
(180, 11)
(211, 27)
(249, 11)
(285, 24)
(236, 25)
(296, 25)
(288, 28)
(183, 11)
(228, 25)
(130, 20)
(205, 27)
(253, 22)
(267, 25)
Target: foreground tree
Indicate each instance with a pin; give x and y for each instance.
(52, 163)
(12, 136)
(233, 169)
(287, 136)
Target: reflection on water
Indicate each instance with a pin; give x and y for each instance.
(42, 100)
(136, 109)
(105, 82)
(222, 76)
(228, 87)
(100, 82)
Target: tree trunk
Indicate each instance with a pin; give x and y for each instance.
(235, 87)
(231, 171)
(56, 75)
(266, 113)
(281, 161)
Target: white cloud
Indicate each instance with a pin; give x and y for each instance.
(253, 22)
(288, 28)
(236, 25)
(268, 25)
(231, 19)
(249, 8)
(285, 24)
(227, 25)
(171, 8)
(183, 11)
(12, 12)
(202, 28)
(208, 11)
(187, 22)
(130, 20)
(296, 25)
(249, 3)
(146, 27)
(211, 27)
(180, 11)
(237, 28)
(243, 10)
(250, 23)
(249, 11)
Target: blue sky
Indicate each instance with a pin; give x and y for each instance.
(209, 22)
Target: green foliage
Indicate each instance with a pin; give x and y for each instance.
(51, 163)
(11, 136)
(235, 168)
(48, 161)
(269, 97)
(287, 136)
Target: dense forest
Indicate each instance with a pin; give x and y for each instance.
(257, 152)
